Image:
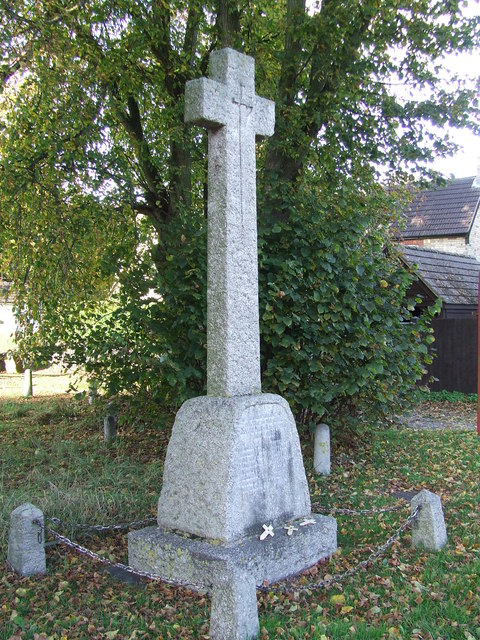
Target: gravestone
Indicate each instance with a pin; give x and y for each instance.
(110, 424)
(235, 499)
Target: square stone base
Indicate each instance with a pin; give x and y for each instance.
(195, 561)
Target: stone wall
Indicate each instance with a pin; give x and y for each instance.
(473, 245)
(449, 245)
(7, 329)
(455, 244)
(7, 326)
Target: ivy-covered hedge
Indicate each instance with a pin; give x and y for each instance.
(337, 336)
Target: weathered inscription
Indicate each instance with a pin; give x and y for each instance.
(264, 466)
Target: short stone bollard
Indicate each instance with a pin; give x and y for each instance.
(429, 529)
(234, 612)
(28, 383)
(92, 393)
(321, 449)
(110, 424)
(26, 551)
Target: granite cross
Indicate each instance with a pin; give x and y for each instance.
(233, 474)
(226, 104)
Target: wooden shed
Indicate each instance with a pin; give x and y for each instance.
(453, 279)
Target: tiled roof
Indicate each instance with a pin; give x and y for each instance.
(451, 277)
(445, 211)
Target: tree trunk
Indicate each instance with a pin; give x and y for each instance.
(228, 25)
(284, 164)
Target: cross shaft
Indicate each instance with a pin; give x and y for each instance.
(227, 106)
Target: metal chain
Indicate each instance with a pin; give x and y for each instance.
(360, 512)
(101, 527)
(320, 584)
(147, 521)
(340, 577)
(118, 565)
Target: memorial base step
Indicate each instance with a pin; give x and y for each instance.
(198, 562)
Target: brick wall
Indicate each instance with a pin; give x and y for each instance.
(416, 243)
(449, 245)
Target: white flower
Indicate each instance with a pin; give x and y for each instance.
(307, 521)
(267, 531)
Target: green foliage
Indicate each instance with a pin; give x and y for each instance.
(149, 337)
(338, 337)
(448, 396)
(103, 187)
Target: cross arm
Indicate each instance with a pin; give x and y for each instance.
(264, 117)
(205, 103)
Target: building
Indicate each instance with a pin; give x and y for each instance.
(450, 277)
(7, 327)
(441, 241)
(446, 218)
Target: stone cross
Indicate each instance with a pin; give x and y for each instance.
(227, 106)
(234, 511)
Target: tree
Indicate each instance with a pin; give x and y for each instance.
(103, 187)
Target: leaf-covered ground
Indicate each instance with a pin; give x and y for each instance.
(443, 415)
(53, 455)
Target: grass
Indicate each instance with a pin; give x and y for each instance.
(45, 383)
(449, 396)
(53, 455)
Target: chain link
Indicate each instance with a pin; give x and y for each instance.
(100, 527)
(320, 584)
(360, 512)
(341, 577)
(118, 565)
(146, 521)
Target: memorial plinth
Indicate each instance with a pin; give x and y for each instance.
(233, 464)
(235, 504)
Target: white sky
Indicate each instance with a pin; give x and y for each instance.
(466, 162)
